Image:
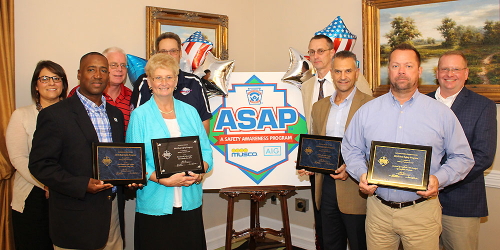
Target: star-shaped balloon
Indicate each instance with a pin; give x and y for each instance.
(300, 69)
(196, 48)
(342, 38)
(135, 67)
(220, 72)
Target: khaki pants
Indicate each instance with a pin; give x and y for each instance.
(115, 241)
(417, 227)
(460, 233)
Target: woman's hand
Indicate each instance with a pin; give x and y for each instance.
(179, 180)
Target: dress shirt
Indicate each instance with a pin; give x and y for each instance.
(99, 117)
(448, 101)
(419, 121)
(337, 117)
(328, 87)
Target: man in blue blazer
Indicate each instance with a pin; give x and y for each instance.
(465, 202)
(83, 211)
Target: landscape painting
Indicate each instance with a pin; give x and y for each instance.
(470, 26)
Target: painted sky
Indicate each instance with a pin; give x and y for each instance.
(428, 16)
(185, 32)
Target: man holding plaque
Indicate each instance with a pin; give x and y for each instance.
(342, 206)
(406, 116)
(83, 211)
(320, 52)
(465, 201)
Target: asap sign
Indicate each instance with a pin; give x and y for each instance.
(254, 130)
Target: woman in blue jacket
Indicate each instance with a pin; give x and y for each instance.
(168, 210)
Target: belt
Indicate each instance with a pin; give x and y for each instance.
(393, 204)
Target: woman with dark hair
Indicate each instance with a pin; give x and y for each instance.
(30, 218)
(168, 210)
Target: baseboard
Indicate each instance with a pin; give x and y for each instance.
(302, 237)
(492, 178)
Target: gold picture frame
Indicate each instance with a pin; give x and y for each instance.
(371, 48)
(178, 21)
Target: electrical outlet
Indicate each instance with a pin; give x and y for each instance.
(301, 204)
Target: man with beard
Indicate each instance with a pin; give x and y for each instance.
(404, 115)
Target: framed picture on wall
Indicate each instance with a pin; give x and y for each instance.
(434, 27)
(184, 23)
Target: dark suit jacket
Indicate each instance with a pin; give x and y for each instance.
(350, 200)
(61, 158)
(477, 115)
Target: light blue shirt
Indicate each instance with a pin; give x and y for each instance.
(337, 118)
(98, 116)
(419, 121)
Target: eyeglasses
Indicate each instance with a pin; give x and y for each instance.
(46, 79)
(311, 52)
(159, 79)
(171, 52)
(452, 70)
(116, 65)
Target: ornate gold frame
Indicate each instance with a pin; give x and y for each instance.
(156, 16)
(371, 48)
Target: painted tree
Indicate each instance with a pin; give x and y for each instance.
(491, 32)
(448, 31)
(403, 30)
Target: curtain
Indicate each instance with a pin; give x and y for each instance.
(7, 105)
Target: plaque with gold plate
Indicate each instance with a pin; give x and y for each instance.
(319, 153)
(177, 155)
(119, 163)
(397, 165)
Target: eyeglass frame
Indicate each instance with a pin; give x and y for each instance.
(159, 79)
(320, 51)
(170, 52)
(116, 65)
(453, 71)
(50, 77)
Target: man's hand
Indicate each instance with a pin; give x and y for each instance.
(96, 186)
(46, 191)
(341, 174)
(364, 187)
(135, 186)
(432, 188)
(303, 172)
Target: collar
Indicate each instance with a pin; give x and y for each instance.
(347, 99)
(90, 105)
(448, 101)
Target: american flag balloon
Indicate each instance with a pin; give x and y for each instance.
(196, 48)
(342, 38)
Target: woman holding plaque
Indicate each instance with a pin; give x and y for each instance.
(30, 218)
(168, 210)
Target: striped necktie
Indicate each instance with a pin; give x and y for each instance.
(321, 95)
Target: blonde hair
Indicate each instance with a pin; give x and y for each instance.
(163, 61)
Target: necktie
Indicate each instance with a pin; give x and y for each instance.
(321, 95)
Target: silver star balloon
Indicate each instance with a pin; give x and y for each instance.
(300, 69)
(220, 72)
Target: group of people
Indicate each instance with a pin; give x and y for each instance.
(349, 211)
(50, 145)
